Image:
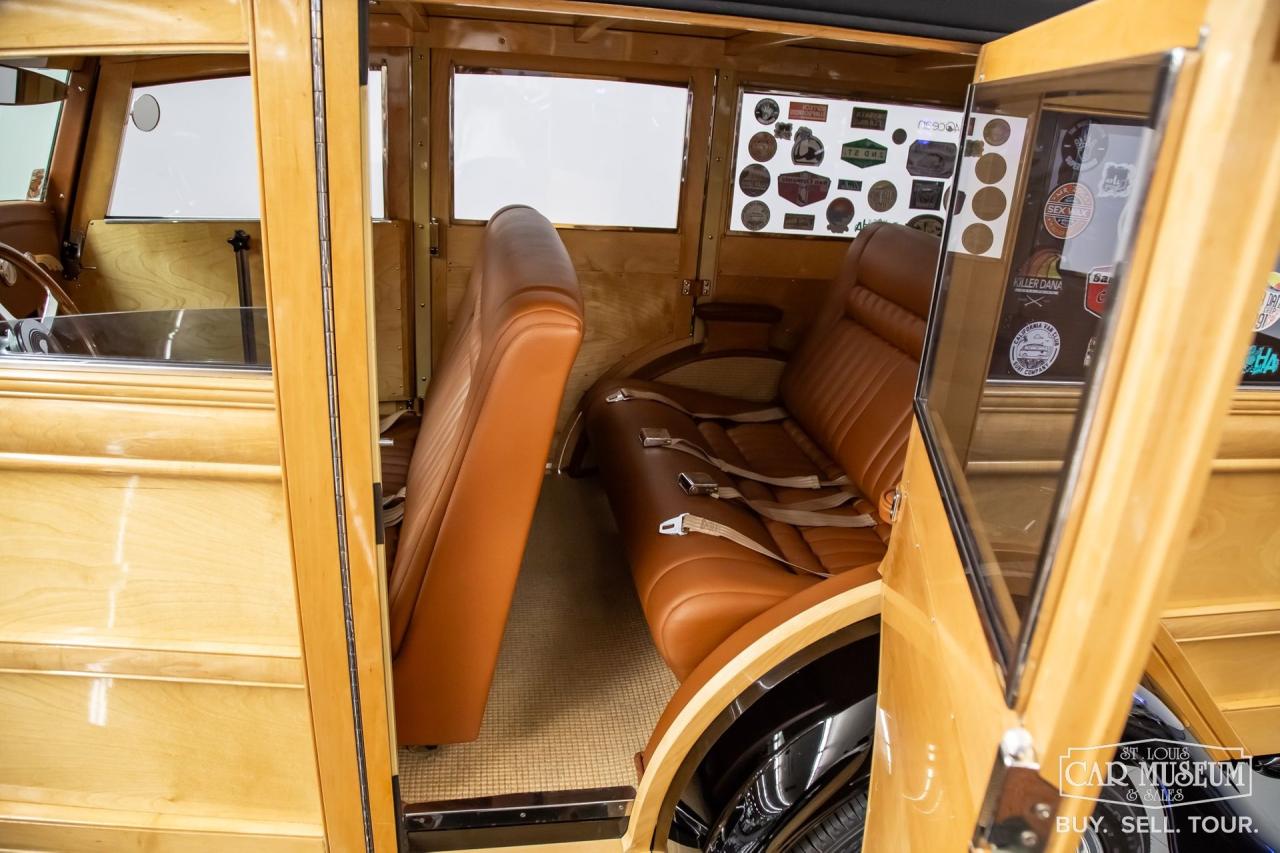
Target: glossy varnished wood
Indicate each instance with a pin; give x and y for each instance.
(31, 27)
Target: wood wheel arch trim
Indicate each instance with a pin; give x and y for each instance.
(751, 652)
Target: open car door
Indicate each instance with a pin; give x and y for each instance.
(1115, 211)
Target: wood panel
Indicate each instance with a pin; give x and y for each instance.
(144, 26)
(151, 677)
(393, 310)
(942, 708)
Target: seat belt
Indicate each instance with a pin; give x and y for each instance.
(808, 513)
(756, 416)
(655, 437)
(686, 523)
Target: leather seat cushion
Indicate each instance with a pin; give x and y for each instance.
(696, 590)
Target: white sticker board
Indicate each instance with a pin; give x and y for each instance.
(987, 176)
(829, 167)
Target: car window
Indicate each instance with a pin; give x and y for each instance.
(26, 145)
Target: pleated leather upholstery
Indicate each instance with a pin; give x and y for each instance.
(848, 389)
(475, 473)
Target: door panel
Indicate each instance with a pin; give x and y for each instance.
(1139, 483)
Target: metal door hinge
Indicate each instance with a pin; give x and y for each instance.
(895, 504)
(433, 236)
(702, 286)
(1019, 807)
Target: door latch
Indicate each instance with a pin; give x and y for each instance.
(1019, 806)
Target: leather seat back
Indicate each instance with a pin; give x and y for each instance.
(475, 474)
(851, 382)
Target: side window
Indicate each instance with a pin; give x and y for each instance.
(1262, 363)
(30, 107)
(582, 151)
(813, 166)
(189, 152)
(377, 143)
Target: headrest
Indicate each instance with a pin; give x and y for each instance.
(896, 262)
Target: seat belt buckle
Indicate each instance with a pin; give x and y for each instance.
(618, 396)
(674, 526)
(654, 437)
(698, 483)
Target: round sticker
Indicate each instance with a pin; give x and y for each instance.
(928, 223)
(977, 238)
(839, 215)
(807, 149)
(1270, 311)
(1084, 145)
(996, 132)
(1068, 211)
(762, 146)
(988, 203)
(755, 215)
(990, 168)
(754, 180)
(1034, 348)
(946, 200)
(899, 136)
(767, 111)
(882, 196)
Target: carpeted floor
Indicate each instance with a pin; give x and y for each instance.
(579, 684)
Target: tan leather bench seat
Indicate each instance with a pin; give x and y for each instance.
(848, 392)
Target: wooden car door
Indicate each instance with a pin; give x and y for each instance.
(1117, 159)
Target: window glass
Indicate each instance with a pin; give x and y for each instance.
(829, 167)
(581, 151)
(377, 145)
(188, 152)
(1262, 362)
(27, 133)
(1049, 192)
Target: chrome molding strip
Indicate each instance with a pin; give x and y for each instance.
(331, 377)
(520, 809)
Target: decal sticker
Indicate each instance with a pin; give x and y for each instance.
(805, 111)
(808, 149)
(798, 221)
(926, 195)
(1270, 311)
(928, 223)
(863, 153)
(946, 200)
(846, 184)
(1084, 145)
(996, 132)
(899, 136)
(1034, 348)
(782, 130)
(882, 196)
(864, 223)
(937, 126)
(755, 215)
(927, 159)
(989, 203)
(1069, 210)
(1117, 180)
(762, 146)
(973, 148)
(839, 215)
(990, 168)
(803, 188)
(977, 238)
(1039, 279)
(1089, 350)
(1096, 285)
(866, 118)
(767, 111)
(754, 180)
(1261, 361)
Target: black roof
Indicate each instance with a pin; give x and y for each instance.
(965, 20)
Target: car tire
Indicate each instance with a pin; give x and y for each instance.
(838, 830)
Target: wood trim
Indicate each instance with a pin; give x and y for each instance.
(699, 19)
(64, 166)
(30, 27)
(422, 144)
(102, 146)
(1175, 680)
(241, 389)
(1116, 29)
(167, 664)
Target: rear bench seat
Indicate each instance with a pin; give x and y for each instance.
(847, 391)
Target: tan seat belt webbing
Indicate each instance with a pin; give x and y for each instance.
(685, 523)
(802, 513)
(650, 437)
(756, 416)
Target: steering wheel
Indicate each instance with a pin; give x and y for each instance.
(35, 335)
